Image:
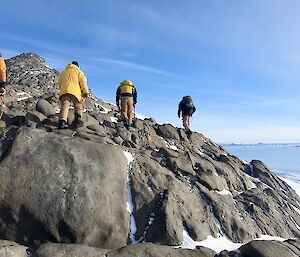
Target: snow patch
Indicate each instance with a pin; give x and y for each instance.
(296, 209)
(217, 244)
(103, 109)
(171, 145)
(292, 184)
(140, 116)
(133, 228)
(114, 119)
(220, 243)
(23, 96)
(224, 192)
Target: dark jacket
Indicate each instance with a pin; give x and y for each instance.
(186, 107)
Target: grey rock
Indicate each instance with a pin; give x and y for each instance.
(229, 254)
(151, 250)
(65, 194)
(68, 250)
(12, 249)
(2, 124)
(45, 108)
(32, 119)
(168, 131)
(178, 181)
(269, 249)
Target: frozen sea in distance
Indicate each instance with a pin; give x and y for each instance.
(283, 159)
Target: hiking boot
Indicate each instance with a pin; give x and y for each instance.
(188, 133)
(78, 121)
(62, 124)
(126, 124)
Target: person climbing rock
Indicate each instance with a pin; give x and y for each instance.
(186, 108)
(2, 83)
(127, 93)
(73, 87)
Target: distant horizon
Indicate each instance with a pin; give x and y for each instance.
(259, 143)
(243, 73)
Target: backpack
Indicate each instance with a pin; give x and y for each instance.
(187, 105)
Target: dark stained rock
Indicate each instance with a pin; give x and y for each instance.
(68, 250)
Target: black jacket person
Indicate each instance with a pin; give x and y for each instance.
(186, 108)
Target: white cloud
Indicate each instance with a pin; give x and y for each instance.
(132, 65)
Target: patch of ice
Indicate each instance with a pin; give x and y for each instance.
(140, 116)
(296, 224)
(171, 145)
(217, 244)
(292, 184)
(269, 238)
(114, 119)
(220, 243)
(252, 186)
(224, 192)
(133, 228)
(101, 107)
(23, 95)
(296, 209)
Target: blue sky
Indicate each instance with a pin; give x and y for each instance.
(240, 60)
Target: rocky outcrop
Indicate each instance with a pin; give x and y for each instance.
(68, 250)
(72, 186)
(152, 250)
(290, 248)
(63, 189)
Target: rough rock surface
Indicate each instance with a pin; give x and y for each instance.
(63, 189)
(152, 250)
(289, 248)
(11, 249)
(68, 250)
(70, 185)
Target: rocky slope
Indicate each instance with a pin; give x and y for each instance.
(102, 187)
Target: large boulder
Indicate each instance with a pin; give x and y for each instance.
(45, 108)
(68, 250)
(151, 250)
(271, 249)
(63, 189)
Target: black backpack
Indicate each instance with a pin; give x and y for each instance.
(187, 105)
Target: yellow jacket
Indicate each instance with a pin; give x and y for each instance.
(2, 70)
(73, 81)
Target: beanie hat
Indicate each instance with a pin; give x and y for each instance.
(75, 63)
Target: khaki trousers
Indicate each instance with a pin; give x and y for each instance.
(126, 109)
(65, 105)
(2, 93)
(186, 121)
